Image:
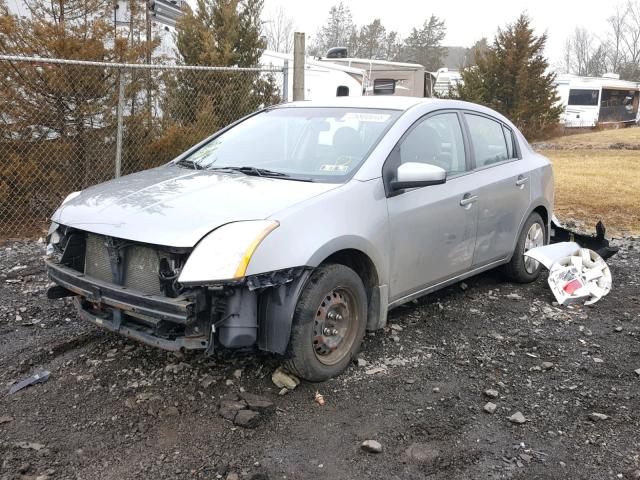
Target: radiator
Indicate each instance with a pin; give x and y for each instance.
(141, 265)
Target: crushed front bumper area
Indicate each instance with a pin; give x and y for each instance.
(163, 322)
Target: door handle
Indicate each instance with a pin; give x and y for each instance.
(521, 180)
(468, 199)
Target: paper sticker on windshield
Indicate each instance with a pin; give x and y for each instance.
(330, 167)
(366, 117)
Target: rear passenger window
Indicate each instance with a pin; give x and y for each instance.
(488, 140)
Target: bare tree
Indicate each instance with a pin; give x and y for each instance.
(584, 54)
(278, 30)
(615, 41)
(631, 41)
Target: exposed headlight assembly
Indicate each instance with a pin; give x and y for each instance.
(53, 238)
(224, 254)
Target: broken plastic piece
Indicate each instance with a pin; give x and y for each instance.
(32, 380)
(550, 254)
(597, 242)
(575, 274)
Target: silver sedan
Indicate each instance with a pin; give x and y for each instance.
(297, 228)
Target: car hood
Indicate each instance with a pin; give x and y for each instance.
(176, 207)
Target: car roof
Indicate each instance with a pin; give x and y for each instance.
(398, 103)
(386, 102)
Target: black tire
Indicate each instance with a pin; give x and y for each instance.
(516, 270)
(332, 291)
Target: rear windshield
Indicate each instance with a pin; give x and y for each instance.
(323, 144)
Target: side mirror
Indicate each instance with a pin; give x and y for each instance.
(414, 174)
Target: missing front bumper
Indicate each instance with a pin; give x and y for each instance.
(163, 322)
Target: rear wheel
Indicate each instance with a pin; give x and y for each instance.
(328, 324)
(523, 269)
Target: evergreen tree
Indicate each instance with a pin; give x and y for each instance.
(424, 45)
(339, 31)
(371, 41)
(60, 119)
(511, 76)
(219, 33)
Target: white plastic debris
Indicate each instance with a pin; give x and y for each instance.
(575, 274)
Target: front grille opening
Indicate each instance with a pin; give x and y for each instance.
(144, 268)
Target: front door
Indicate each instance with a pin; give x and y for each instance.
(433, 228)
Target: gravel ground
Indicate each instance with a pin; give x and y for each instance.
(113, 409)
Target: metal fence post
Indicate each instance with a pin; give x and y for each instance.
(285, 82)
(119, 123)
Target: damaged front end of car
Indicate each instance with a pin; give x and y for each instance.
(141, 292)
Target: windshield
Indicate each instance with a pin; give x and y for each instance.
(322, 144)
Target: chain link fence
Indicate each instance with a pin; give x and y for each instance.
(66, 125)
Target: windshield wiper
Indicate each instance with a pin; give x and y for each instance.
(187, 162)
(260, 172)
(256, 172)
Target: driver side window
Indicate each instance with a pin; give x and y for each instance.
(436, 140)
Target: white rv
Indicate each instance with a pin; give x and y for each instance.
(385, 78)
(590, 101)
(321, 80)
(441, 82)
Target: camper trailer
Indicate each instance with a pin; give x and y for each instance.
(440, 83)
(384, 77)
(321, 80)
(591, 101)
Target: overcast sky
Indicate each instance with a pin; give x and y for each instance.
(466, 20)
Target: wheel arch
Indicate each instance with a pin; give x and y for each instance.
(542, 210)
(363, 265)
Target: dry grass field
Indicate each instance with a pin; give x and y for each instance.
(594, 182)
(600, 138)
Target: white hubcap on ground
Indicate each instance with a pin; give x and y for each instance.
(535, 238)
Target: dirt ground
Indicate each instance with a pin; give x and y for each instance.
(113, 409)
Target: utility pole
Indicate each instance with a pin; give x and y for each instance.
(298, 66)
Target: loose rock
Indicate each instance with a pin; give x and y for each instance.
(5, 419)
(517, 418)
(229, 408)
(491, 393)
(596, 417)
(284, 379)
(490, 407)
(374, 370)
(371, 446)
(547, 365)
(247, 419)
(258, 403)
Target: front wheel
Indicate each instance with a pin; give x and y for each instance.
(523, 269)
(328, 324)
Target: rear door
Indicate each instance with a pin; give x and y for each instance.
(503, 186)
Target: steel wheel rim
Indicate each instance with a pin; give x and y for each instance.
(534, 238)
(334, 328)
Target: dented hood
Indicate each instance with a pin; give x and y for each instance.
(176, 207)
